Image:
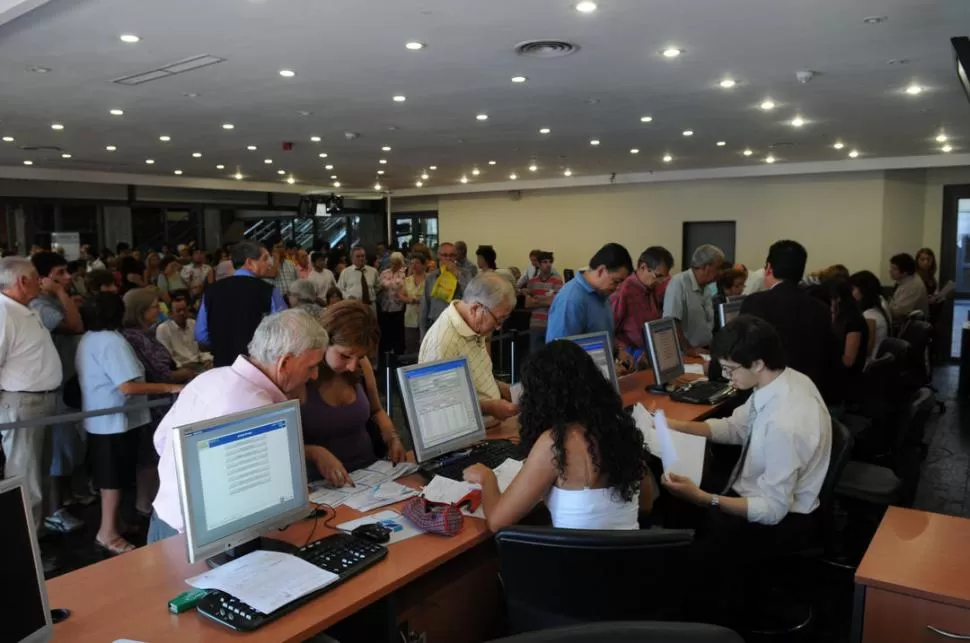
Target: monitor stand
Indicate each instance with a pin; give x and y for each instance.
(264, 543)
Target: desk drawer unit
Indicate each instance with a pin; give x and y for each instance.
(891, 617)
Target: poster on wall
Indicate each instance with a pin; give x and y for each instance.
(68, 242)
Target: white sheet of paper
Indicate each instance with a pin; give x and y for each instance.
(393, 471)
(706, 357)
(516, 392)
(644, 422)
(401, 528)
(506, 473)
(379, 496)
(266, 580)
(682, 453)
(446, 490)
(324, 495)
(696, 369)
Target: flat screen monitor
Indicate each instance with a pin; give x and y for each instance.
(663, 349)
(726, 312)
(240, 476)
(441, 406)
(600, 348)
(24, 613)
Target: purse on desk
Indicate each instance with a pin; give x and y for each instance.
(438, 517)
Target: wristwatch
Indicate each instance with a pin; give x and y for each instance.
(715, 500)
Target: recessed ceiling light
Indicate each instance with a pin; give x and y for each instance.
(110, 148)
(634, 151)
(220, 167)
(290, 180)
(414, 45)
(281, 171)
(237, 176)
(513, 176)
(721, 143)
(228, 126)
(418, 184)
(251, 148)
(65, 155)
(728, 83)
(688, 132)
(672, 52)
(57, 126)
(287, 73)
(435, 167)
(853, 154)
(328, 166)
(268, 161)
(425, 176)
(336, 184)
(874, 20)
(941, 138)
(315, 139)
(646, 119)
(28, 162)
(399, 98)
(519, 79)
(130, 38)
(323, 155)
(914, 90)
(476, 171)
(594, 141)
(463, 179)
(380, 172)
(748, 152)
(668, 158)
(39, 70)
(769, 159)
(567, 172)
(585, 7)
(481, 117)
(164, 139)
(117, 112)
(8, 139)
(377, 187)
(838, 145)
(190, 94)
(533, 167)
(333, 177)
(386, 148)
(490, 163)
(946, 148)
(150, 161)
(177, 172)
(382, 161)
(768, 105)
(797, 121)
(544, 130)
(196, 155)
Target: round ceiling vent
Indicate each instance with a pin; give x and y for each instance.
(546, 48)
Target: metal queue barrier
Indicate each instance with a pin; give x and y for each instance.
(63, 418)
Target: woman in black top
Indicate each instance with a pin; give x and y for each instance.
(853, 334)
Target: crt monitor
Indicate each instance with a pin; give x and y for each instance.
(24, 613)
(726, 312)
(600, 348)
(663, 349)
(441, 406)
(240, 476)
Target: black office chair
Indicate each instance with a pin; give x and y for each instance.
(556, 577)
(920, 335)
(630, 633)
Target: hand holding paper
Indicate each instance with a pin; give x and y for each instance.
(682, 453)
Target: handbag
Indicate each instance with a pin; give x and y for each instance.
(433, 517)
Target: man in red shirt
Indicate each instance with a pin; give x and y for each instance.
(638, 300)
(539, 293)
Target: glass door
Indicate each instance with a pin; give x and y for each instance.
(961, 275)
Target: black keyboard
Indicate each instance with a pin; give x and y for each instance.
(491, 453)
(702, 392)
(342, 554)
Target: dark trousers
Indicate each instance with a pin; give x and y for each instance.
(392, 332)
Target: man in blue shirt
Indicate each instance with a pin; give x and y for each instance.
(583, 304)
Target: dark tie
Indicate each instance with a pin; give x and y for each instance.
(364, 289)
(744, 451)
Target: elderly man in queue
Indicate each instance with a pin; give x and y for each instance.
(284, 353)
(463, 330)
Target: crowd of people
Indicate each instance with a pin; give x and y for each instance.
(252, 325)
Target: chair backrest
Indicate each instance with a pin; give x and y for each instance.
(652, 632)
(919, 334)
(555, 577)
(841, 451)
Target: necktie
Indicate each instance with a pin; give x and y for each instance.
(744, 450)
(364, 289)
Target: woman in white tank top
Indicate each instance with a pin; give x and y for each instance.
(587, 460)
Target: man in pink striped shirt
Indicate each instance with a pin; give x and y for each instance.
(539, 293)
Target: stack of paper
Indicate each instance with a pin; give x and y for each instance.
(365, 480)
(386, 493)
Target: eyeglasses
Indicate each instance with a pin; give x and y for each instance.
(728, 371)
(498, 322)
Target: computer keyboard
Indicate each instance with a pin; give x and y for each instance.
(491, 453)
(702, 392)
(341, 554)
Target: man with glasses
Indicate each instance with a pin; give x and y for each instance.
(688, 301)
(437, 297)
(463, 330)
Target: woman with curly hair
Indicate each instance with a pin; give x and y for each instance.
(587, 459)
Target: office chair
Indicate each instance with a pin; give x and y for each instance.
(555, 577)
(655, 632)
(920, 335)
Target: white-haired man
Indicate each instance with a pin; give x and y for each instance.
(463, 329)
(687, 301)
(284, 353)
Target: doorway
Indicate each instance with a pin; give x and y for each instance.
(719, 233)
(955, 266)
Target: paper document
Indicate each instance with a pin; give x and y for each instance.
(706, 357)
(682, 453)
(516, 392)
(442, 489)
(696, 369)
(392, 471)
(386, 493)
(401, 528)
(322, 494)
(645, 423)
(506, 473)
(266, 580)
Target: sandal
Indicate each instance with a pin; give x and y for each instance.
(115, 547)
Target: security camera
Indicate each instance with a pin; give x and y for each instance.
(805, 76)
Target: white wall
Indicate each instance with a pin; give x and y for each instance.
(838, 217)
(904, 196)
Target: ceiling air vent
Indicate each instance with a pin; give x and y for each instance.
(40, 148)
(178, 67)
(546, 48)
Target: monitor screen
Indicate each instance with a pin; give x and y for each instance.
(442, 407)
(240, 475)
(600, 348)
(23, 612)
(727, 312)
(664, 350)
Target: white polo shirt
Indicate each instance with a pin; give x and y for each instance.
(28, 359)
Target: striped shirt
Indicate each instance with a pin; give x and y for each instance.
(540, 288)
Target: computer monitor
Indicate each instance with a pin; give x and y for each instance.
(663, 349)
(726, 312)
(600, 348)
(24, 613)
(240, 476)
(441, 406)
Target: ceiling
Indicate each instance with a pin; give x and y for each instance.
(350, 59)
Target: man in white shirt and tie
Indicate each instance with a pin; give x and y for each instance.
(359, 281)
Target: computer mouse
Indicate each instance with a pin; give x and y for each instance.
(374, 532)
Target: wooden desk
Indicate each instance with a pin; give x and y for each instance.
(914, 576)
(127, 596)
